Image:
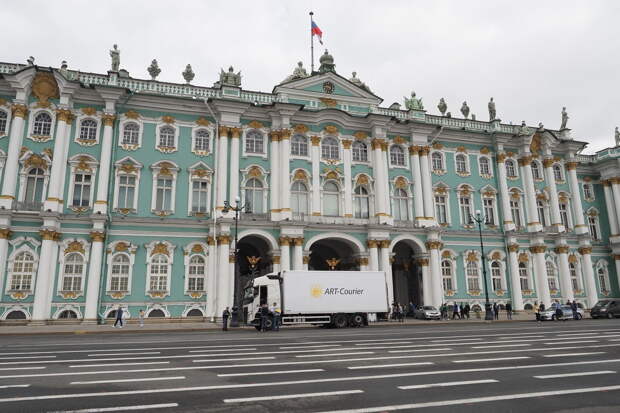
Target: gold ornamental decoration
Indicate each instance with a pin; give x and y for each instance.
(399, 140)
(331, 175)
(372, 243)
(68, 295)
(299, 242)
(332, 263)
(434, 245)
(461, 149)
(525, 160)
(331, 129)
(346, 143)
(276, 259)
(561, 249)
(424, 150)
(363, 261)
(384, 146)
(285, 134)
(316, 140)
(49, 235)
(255, 172)
(585, 250)
(538, 249)
(376, 143)
(202, 121)
(200, 173)
(44, 87)
(548, 162)
(384, 243)
(300, 175)
(2, 102)
(489, 193)
(83, 165)
(514, 194)
(446, 254)
(127, 168)
(231, 258)
(121, 247)
(90, 111)
(210, 240)
(471, 257)
(362, 180)
(572, 259)
(223, 239)
(484, 150)
(423, 262)
(35, 161)
(285, 241)
(360, 136)
(441, 190)
(274, 135)
(160, 248)
(300, 128)
(223, 131)
(108, 119)
(197, 249)
(572, 165)
(75, 246)
(330, 103)
(20, 111)
(414, 150)
(97, 236)
(305, 259)
(253, 261)
(132, 114)
(5, 233)
(536, 143)
(438, 146)
(496, 256)
(167, 119)
(256, 124)
(401, 183)
(501, 157)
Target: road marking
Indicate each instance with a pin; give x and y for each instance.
(122, 408)
(460, 340)
(308, 381)
(454, 402)
(337, 354)
(407, 347)
(494, 359)
(446, 384)
(572, 342)
(521, 337)
(10, 386)
(503, 346)
(118, 364)
(573, 354)
(23, 368)
(385, 344)
(107, 350)
(129, 380)
(380, 366)
(134, 358)
(317, 346)
(234, 359)
(262, 373)
(29, 357)
(294, 396)
(581, 373)
(123, 354)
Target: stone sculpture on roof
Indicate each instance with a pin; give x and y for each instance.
(442, 106)
(564, 118)
(356, 81)
(327, 63)
(30, 61)
(154, 69)
(524, 130)
(188, 74)
(230, 78)
(465, 110)
(617, 136)
(298, 73)
(492, 113)
(115, 54)
(413, 103)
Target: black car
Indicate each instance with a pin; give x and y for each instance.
(606, 308)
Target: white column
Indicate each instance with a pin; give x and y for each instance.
(53, 194)
(101, 200)
(222, 171)
(5, 234)
(64, 163)
(566, 286)
(418, 195)
(275, 173)
(224, 295)
(374, 255)
(611, 208)
(212, 295)
(285, 253)
(615, 188)
(380, 178)
(509, 225)
(386, 181)
(540, 274)
(276, 263)
(616, 258)
(554, 201)
(588, 274)
(348, 191)
(316, 176)
(515, 279)
(436, 284)
(231, 279)
(45, 275)
(533, 223)
(580, 226)
(285, 180)
(12, 160)
(427, 290)
(298, 254)
(233, 191)
(94, 275)
(386, 265)
(427, 186)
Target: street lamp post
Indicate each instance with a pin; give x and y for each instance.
(479, 219)
(235, 313)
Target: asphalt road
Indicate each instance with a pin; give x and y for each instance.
(507, 367)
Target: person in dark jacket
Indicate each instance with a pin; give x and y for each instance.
(509, 310)
(573, 307)
(119, 317)
(225, 317)
(264, 316)
(558, 312)
(467, 310)
(455, 311)
(495, 311)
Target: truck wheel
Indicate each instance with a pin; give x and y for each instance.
(340, 321)
(357, 320)
(268, 324)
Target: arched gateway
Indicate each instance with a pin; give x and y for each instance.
(408, 264)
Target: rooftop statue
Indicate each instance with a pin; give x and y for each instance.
(465, 110)
(492, 113)
(541, 126)
(564, 118)
(442, 106)
(230, 78)
(356, 81)
(327, 63)
(413, 103)
(63, 69)
(115, 54)
(188, 74)
(617, 135)
(154, 69)
(473, 116)
(524, 130)
(30, 61)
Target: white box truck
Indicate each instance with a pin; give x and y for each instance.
(332, 298)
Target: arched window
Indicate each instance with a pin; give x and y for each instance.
(473, 280)
(511, 171)
(200, 191)
(194, 312)
(437, 161)
(81, 189)
(593, 226)
(157, 313)
(603, 280)
(360, 202)
(74, 268)
(557, 172)
(16, 315)
(397, 155)
(3, 120)
(441, 208)
(23, 272)
(158, 277)
(331, 199)
(126, 191)
(401, 205)
(485, 166)
(131, 133)
(166, 137)
(524, 277)
(461, 164)
(551, 276)
(465, 207)
(88, 130)
(35, 181)
(299, 145)
(254, 196)
(329, 149)
(67, 314)
(446, 275)
(488, 205)
(163, 200)
(564, 214)
(119, 280)
(515, 209)
(299, 197)
(254, 142)
(201, 142)
(540, 206)
(588, 192)
(496, 275)
(42, 124)
(574, 279)
(360, 152)
(536, 173)
(196, 280)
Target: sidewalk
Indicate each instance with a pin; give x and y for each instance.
(161, 327)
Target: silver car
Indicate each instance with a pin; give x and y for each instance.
(567, 313)
(427, 312)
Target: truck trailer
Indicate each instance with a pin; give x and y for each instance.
(327, 298)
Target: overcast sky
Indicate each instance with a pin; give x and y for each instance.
(533, 57)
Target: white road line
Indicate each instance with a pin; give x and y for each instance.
(10, 386)
(460, 340)
(385, 344)
(308, 381)
(584, 335)
(455, 402)
(263, 373)
(28, 357)
(494, 359)
(294, 396)
(123, 354)
(438, 348)
(317, 346)
(107, 350)
(357, 353)
(573, 354)
(381, 366)
(520, 337)
(131, 358)
(579, 374)
(571, 342)
(118, 364)
(446, 384)
(235, 359)
(122, 408)
(129, 380)
(504, 346)
(23, 368)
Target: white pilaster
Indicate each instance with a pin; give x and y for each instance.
(285, 253)
(427, 188)
(45, 275)
(275, 175)
(509, 225)
(540, 273)
(386, 265)
(221, 172)
(285, 184)
(611, 208)
(436, 284)
(427, 291)
(566, 286)
(316, 176)
(533, 223)
(373, 255)
(276, 264)
(53, 196)
(103, 180)
(580, 226)
(234, 164)
(224, 295)
(515, 280)
(554, 202)
(386, 181)
(588, 273)
(348, 191)
(418, 195)
(380, 178)
(12, 160)
(616, 258)
(298, 254)
(615, 188)
(5, 234)
(94, 275)
(212, 279)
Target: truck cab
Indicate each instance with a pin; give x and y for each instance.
(258, 292)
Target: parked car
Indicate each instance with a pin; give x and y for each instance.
(427, 312)
(606, 309)
(567, 313)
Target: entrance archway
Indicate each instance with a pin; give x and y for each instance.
(407, 275)
(333, 254)
(254, 258)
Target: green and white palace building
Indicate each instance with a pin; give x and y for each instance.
(113, 192)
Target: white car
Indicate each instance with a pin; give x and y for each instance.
(567, 313)
(427, 312)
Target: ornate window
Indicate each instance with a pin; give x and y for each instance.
(564, 214)
(485, 166)
(158, 273)
(299, 145)
(3, 122)
(552, 278)
(126, 184)
(299, 197)
(200, 193)
(441, 208)
(401, 205)
(360, 152)
(473, 277)
(461, 164)
(361, 203)
(574, 278)
(511, 171)
(73, 272)
(199, 189)
(35, 184)
(131, 134)
(524, 277)
(465, 209)
(160, 256)
(603, 276)
(330, 149)
(496, 275)
(588, 192)
(126, 191)
(397, 155)
(166, 137)
(120, 273)
(23, 271)
(489, 211)
(446, 275)
(557, 172)
(540, 206)
(201, 141)
(331, 199)
(254, 196)
(437, 162)
(81, 190)
(536, 172)
(163, 197)
(42, 124)
(197, 271)
(593, 225)
(88, 130)
(164, 187)
(254, 142)
(515, 209)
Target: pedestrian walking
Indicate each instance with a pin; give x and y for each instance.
(444, 311)
(495, 311)
(462, 311)
(411, 309)
(509, 310)
(573, 307)
(401, 315)
(141, 317)
(264, 316)
(455, 311)
(558, 312)
(119, 317)
(467, 310)
(225, 317)
(541, 308)
(276, 317)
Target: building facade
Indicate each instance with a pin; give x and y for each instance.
(114, 191)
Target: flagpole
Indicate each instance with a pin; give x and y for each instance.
(311, 46)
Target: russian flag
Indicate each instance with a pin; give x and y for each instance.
(314, 29)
